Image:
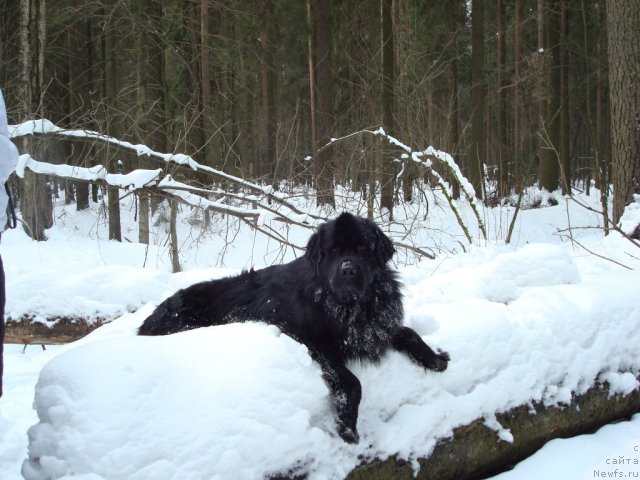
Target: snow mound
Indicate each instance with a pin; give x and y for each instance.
(535, 265)
(170, 407)
(243, 401)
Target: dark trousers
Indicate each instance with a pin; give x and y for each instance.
(2, 300)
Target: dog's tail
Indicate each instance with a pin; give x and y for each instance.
(199, 305)
(165, 319)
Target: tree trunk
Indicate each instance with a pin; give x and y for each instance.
(323, 161)
(113, 206)
(110, 90)
(410, 170)
(36, 205)
(623, 31)
(173, 236)
(454, 125)
(518, 171)
(267, 77)
(388, 105)
(143, 217)
(149, 98)
(602, 150)
(565, 131)
(476, 452)
(141, 116)
(311, 45)
(78, 89)
(478, 96)
(82, 195)
(501, 96)
(35, 201)
(211, 146)
(550, 96)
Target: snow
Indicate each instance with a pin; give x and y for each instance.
(254, 417)
(133, 180)
(44, 126)
(612, 452)
(537, 320)
(631, 217)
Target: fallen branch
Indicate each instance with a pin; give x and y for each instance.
(45, 127)
(152, 181)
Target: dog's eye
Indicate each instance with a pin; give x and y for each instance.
(334, 251)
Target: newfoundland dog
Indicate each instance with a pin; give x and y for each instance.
(340, 299)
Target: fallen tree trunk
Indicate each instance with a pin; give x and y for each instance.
(475, 451)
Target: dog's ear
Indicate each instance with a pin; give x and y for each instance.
(384, 246)
(312, 252)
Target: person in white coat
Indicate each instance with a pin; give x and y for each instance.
(8, 162)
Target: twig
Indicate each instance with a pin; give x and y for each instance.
(573, 240)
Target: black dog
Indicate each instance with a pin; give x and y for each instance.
(340, 299)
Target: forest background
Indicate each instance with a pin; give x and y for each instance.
(520, 93)
(243, 107)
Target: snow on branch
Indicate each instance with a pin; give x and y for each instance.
(261, 202)
(152, 179)
(46, 127)
(422, 158)
(131, 181)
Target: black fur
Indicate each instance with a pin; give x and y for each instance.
(340, 299)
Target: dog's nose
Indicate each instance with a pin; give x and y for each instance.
(347, 269)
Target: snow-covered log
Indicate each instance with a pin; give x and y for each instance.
(474, 451)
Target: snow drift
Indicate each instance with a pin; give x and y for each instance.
(244, 401)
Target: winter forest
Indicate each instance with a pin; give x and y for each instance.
(518, 93)
(167, 142)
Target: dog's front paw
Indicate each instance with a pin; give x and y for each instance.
(440, 362)
(348, 434)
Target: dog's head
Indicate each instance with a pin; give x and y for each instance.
(347, 253)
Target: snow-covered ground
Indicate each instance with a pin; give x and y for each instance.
(535, 320)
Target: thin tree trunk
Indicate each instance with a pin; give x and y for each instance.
(478, 96)
(323, 161)
(454, 125)
(173, 234)
(143, 217)
(313, 131)
(388, 107)
(267, 74)
(565, 131)
(410, 172)
(110, 73)
(501, 97)
(78, 88)
(550, 92)
(602, 150)
(142, 114)
(211, 150)
(518, 171)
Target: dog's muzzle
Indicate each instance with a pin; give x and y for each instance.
(348, 282)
